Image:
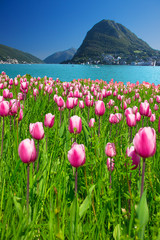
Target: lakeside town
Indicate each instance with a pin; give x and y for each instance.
(107, 60)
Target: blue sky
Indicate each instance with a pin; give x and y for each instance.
(44, 27)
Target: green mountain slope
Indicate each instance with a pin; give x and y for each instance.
(108, 37)
(8, 54)
(62, 56)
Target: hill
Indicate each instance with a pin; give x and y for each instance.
(12, 55)
(107, 40)
(62, 56)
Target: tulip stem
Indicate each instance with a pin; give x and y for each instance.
(46, 139)
(76, 176)
(88, 114)
(10, 123)
(28, 189)
(99, 126)
(2, 138)
(69, 115)
(110, 179)
(37, 156)
(60, 117)
(143, 171)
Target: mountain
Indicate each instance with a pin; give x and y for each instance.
(12, 55)
(108, 39)
(62, 56)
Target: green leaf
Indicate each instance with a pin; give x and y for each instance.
(143, 214)
(117, 232)
(86, 203)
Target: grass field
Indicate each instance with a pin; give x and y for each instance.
(98, 211)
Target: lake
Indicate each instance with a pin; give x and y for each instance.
(67, 72)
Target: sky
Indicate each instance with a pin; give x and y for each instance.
(43, 27)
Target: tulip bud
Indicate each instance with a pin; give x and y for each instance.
(49, 120)
(75, 124)
(110, 150)
(76, 155)
(36, 130)
(27, 151)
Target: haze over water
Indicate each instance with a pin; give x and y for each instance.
(69, 72)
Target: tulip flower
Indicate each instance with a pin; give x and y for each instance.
(4, 108)
(145, 146)
(110, 164)
(134, 157)
(49, 120)
(144, 108)
(77, 158)
(99, 110)
(91, 122)
(153, 117)
(81, 104)
(75, 124)
(36, 130)
(20, 115)
(110, 150)
(4, 111)
(27, 151)
(27, 154)
(6, 93)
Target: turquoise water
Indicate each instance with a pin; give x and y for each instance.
(70, 72)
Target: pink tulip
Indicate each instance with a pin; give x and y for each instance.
(81, 104)
(135, 109)
(110, 150)
(6, 93)
(36, 130)
(158, 99)
(123, 105)
(153, 117)
(128, 111)
(70, 103)
(75, 100)
(75, 124)
(150, 113)
(1, 86)
(138, 116)
(60, 101)
(4, 108)
(99, 108)
(24, 85)
(151, 100)
(27, 151)
(49, 120)
(144, 108)
(11, 81)
(155, 107)
(111, 118)
(76, 155)
(145, 142)
(134, 157)
(110, 164)
(131, 120)
(119, 117)
(20, 115)
(91, 122)
(1, 98)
